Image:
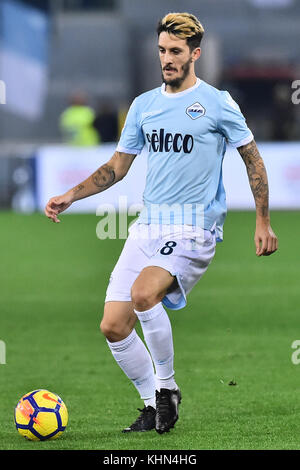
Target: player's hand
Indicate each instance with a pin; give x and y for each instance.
(56, 205)
(265, 240)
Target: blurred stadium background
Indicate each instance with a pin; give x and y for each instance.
(103, 53)
(98, 55)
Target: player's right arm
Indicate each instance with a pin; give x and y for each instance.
(103, 178)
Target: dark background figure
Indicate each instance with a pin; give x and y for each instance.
(106, 122)
(283, 116)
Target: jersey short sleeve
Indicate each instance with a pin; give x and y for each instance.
(232, 123)
(132, 138)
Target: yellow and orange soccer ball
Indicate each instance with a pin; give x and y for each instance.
(41, 415)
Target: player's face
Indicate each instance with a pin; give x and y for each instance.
(175, 59)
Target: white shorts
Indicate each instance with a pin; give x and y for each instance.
(186, 253)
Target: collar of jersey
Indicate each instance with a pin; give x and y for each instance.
(180, 93)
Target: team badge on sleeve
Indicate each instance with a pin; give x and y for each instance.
(195, 111)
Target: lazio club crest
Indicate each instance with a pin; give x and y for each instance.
(195, 111)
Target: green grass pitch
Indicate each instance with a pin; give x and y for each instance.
(238, 327)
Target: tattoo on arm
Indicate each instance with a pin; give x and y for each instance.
(104, 177)
(257, 177)
(78, 188)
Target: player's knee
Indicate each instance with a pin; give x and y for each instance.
(143, 298)
(113, 331)
(103, 327)
(110, 330)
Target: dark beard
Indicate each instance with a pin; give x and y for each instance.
(177, 82)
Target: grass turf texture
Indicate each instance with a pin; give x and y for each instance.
(238, 326)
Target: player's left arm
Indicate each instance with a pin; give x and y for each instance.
(265, 239)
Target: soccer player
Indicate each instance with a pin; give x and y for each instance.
(185, 125)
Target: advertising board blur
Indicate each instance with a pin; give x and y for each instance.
(59, 168)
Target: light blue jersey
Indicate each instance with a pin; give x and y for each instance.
(185, 134)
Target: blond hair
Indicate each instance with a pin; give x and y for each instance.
(183, 25)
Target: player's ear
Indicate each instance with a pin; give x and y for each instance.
(196, 54)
